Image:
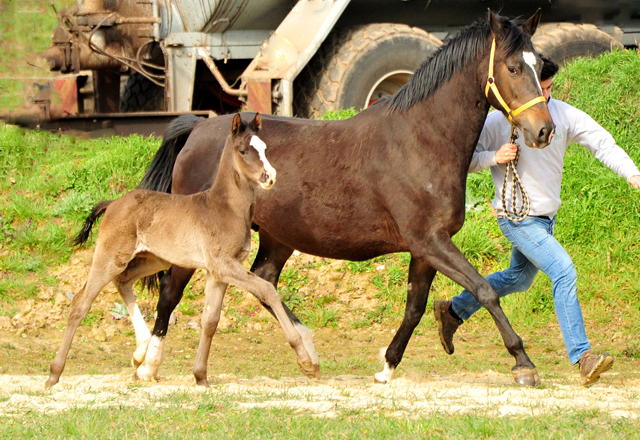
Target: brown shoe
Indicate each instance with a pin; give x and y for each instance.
(593, 365)
(447, 324)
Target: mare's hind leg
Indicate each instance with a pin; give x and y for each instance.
(214, 294)
(102, 271)
(234, 273)
(447, 259)
(271, 258)
(172, 285)
(420, 279)
(142, 265)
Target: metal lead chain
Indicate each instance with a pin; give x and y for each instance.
(518, 214)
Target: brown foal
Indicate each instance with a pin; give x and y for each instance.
(145, 231)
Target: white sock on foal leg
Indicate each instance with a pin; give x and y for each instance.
(148, 371)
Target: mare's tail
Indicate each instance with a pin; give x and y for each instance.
(97, 211)
(158, 176)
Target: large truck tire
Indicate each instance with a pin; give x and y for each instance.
(355, 67)
(563, 42)
(141, 95)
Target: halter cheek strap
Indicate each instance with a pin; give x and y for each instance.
(491, 85)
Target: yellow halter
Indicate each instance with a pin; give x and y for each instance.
(491, 84)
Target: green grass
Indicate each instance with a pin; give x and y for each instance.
(213, 416)
(25, 30)
(49, 184)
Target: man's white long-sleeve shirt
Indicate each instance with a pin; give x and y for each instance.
(541, 169)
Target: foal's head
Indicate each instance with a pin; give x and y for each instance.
(515, 72)
(249, 152)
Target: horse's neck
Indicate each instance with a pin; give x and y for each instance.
(231, 186)
(458, 109)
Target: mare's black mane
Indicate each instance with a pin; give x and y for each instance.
(453, 56)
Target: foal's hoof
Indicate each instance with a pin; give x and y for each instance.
(146, 373)
(139, 355)
(51, 382)
(311, 370)
(526, 376)
(202, 383)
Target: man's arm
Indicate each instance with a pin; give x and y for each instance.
(587, 132)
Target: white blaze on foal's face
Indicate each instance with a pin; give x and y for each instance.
(261, 147)
(531, 60)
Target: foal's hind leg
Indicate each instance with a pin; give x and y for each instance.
(214, 294)
(420, 279)
(100, 274)
(271, 258)
(447, 258)
(142, 265)
(234, 273)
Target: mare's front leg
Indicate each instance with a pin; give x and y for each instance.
(234, 273)
(270, 259)
(440, 252)
(420, 278)
(214, 294)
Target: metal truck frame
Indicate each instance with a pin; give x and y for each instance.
(133, 65)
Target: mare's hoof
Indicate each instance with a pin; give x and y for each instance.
(312, 371)
(526, 376)
(377, 379)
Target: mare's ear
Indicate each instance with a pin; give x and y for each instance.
(530, 26)
(256, 124)
(495, 25)
(236, 125)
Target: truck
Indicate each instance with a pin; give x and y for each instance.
(131, 66)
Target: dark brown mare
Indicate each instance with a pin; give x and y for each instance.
(390, 179)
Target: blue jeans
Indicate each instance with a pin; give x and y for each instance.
(535, 248)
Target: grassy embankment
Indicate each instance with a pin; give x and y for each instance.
(50, 182)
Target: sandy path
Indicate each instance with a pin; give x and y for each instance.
(488, 393)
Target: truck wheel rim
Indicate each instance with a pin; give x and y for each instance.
(389, 84)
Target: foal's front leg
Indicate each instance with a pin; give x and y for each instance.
(234, 273)
(214, 294)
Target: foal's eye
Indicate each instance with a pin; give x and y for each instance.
(243, 152)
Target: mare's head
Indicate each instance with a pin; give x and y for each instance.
(513, 85)
(249, 152)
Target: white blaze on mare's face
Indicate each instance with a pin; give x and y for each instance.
(530, 59)
(261, 147)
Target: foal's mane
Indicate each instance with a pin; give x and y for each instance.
(469, 44)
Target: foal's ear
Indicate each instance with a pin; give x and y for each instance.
(495, 25)
(530, 26)
(256, 124)
(237, 125)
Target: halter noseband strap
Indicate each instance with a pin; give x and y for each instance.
(491, 84)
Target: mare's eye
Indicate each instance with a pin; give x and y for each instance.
(513, 70)
(243, 152)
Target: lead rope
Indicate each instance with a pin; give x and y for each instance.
(523, 212)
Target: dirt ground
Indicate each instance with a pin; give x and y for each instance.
(250, 359)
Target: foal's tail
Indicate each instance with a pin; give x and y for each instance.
(158, 176)
(97, 211)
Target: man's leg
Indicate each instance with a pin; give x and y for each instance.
(533, 238)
